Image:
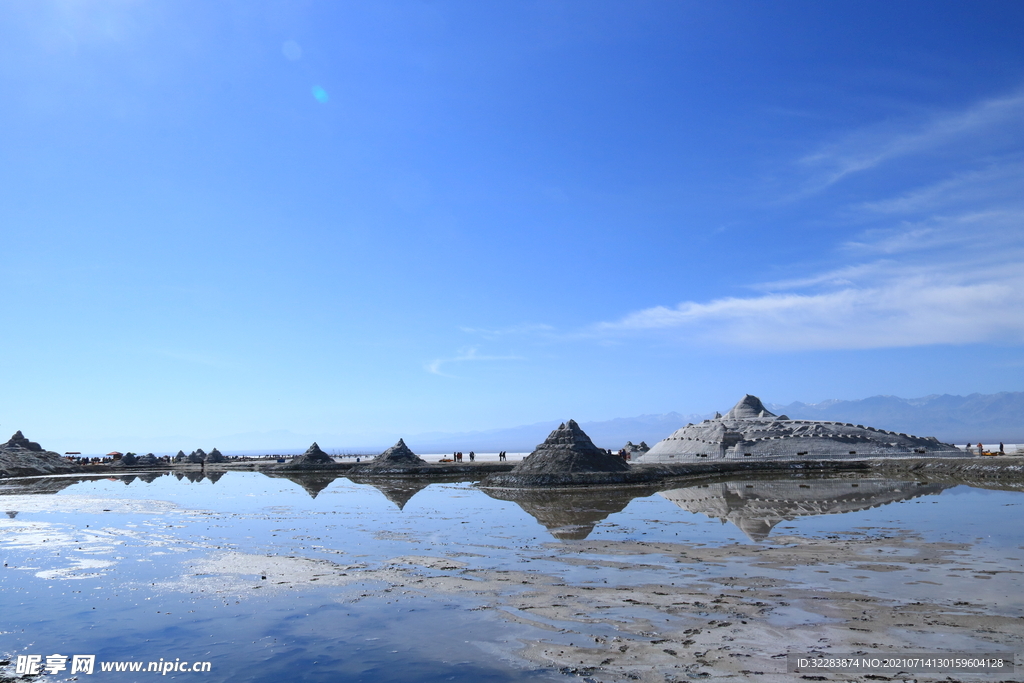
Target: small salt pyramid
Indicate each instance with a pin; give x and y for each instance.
(399, 454)
(569, 449)
(215, 456)
(312, 456)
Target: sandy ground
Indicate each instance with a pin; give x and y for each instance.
(731, 612)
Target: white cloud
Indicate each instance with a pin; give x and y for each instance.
(941, 263)
(910, 309)
(521, 329)
(867, 149)
(464, 355)
(954, 279)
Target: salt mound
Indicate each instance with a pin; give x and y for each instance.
(396, 458)
(215, 456)
(312, 456)
(20, 457)
(568, 449)
(147, 460)
(18, 440)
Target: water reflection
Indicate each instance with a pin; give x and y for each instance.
(311, 482)
(571, 515)
(399, 491)
(755, 506)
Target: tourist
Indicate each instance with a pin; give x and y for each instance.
(472, 456)
(1001, 451)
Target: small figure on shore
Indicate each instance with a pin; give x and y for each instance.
(501, 456)
(472, 456)
(1001, 451)
(981, 449)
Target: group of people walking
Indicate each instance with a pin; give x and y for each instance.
(981, 449)
(458, 456)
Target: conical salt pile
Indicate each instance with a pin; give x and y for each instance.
(216, 456)
(312, 456)
(568, 449)
(398, 455)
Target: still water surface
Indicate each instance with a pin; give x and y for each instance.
(315, 578)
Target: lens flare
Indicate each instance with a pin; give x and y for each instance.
(291, 50)
(320, 95)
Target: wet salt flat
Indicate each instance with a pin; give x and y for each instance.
(322, 578)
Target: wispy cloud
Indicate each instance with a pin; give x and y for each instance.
(469, 354)
(867, 149)
(940, 263)
(909, 309)
(531, 329)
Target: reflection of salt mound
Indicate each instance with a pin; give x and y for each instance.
(311, 482)
(568, 449)
(37, 486)
(399, 491)
(312, 456)
(750, 433)
(570, 515)
(755, 507)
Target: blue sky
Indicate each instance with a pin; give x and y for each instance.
(383, 218)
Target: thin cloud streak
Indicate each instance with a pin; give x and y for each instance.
(466, 355)
(866, 150)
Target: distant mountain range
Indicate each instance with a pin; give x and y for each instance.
(988, 418)
(607, 434)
